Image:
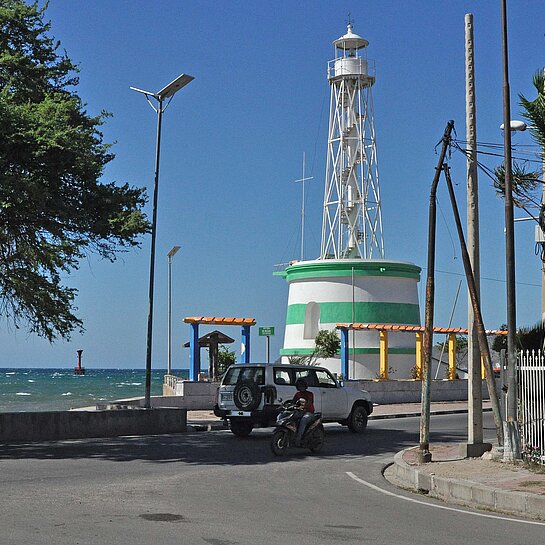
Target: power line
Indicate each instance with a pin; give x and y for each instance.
(486, 278)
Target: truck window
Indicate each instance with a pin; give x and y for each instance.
(237, 374)
(309, 375)
(282, 376)
(325, 380)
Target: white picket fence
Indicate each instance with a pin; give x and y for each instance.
(531, 379)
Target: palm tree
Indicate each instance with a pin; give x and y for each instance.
(526, 181)
(534, 110)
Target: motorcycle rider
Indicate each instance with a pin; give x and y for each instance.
(304, 403)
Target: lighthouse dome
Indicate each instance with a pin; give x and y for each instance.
(350, 40)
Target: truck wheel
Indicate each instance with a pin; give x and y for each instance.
(357, 421)
(247, 395)
(280, 442)
(241, 428)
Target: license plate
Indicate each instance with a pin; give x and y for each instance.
(227, 397)
(241, 413)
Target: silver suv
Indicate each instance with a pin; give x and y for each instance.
(250, 396)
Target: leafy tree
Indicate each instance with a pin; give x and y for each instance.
(461, 349)
(532, 337)
(500, 341)
(225, 358)
(326, 345)
(53, 209)
(527, 338)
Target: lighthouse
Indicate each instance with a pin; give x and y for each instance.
(352, 219)
(351, 281)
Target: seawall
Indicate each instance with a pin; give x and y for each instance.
(201, 396)
(55, 425)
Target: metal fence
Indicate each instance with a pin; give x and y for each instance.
(531, 369)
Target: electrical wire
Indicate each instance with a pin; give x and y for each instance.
(486, 278)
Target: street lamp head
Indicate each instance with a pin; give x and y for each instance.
(174, 86)
(174, 251)
(515, 125)
(144, 92)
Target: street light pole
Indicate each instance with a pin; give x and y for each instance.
(167, 92)
(512, 444)
(170, 254)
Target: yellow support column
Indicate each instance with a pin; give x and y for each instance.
(383, 355)
(452, 356)
(483, 368)
(418, 367)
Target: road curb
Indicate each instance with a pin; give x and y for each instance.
(468, 493)
(218, 426)
(417, 413)
(207, 426)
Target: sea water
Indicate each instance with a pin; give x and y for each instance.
(36, 389)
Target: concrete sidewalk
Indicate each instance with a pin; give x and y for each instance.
(483, 483)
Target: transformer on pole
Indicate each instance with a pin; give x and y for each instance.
(352, 218)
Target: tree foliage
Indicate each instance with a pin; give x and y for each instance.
(326, 345)
(525, 182)
(534, 110)
(528, 182)
(461, 344)
(53, 209)
(226, 358)
(526, 338)
(532, 337)
(500, 341)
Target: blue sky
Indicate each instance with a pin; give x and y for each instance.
(232, 147)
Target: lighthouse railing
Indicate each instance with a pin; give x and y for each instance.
(351, 66)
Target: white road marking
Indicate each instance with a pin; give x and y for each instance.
(413, 500)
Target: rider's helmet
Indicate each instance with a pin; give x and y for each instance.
(301, 384)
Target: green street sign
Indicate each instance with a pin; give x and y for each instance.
(266, 331)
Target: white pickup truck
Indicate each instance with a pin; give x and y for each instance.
(250, 396)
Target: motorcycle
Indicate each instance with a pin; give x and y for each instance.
(283, 437)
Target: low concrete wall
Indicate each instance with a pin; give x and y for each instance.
(410, 391)
(193, 396)
(54, 425)
(201, 396)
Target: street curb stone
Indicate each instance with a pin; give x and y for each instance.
(468, 493)
(209, 425)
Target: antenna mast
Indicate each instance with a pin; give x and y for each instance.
(303, 180)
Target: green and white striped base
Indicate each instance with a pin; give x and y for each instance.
(323, 293)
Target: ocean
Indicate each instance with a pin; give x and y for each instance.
(36, 389)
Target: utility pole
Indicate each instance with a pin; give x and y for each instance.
(511, 450)
(424, 454)
(542, 205)
(475, 446)
(479, 325)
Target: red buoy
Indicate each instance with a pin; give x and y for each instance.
(79, 370)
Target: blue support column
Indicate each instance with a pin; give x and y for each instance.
(345, 349)
(194, 353)
(245, 344)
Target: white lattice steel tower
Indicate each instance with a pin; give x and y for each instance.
(352, 219)
(351, 282)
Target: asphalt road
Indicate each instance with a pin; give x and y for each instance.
(213, 488)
